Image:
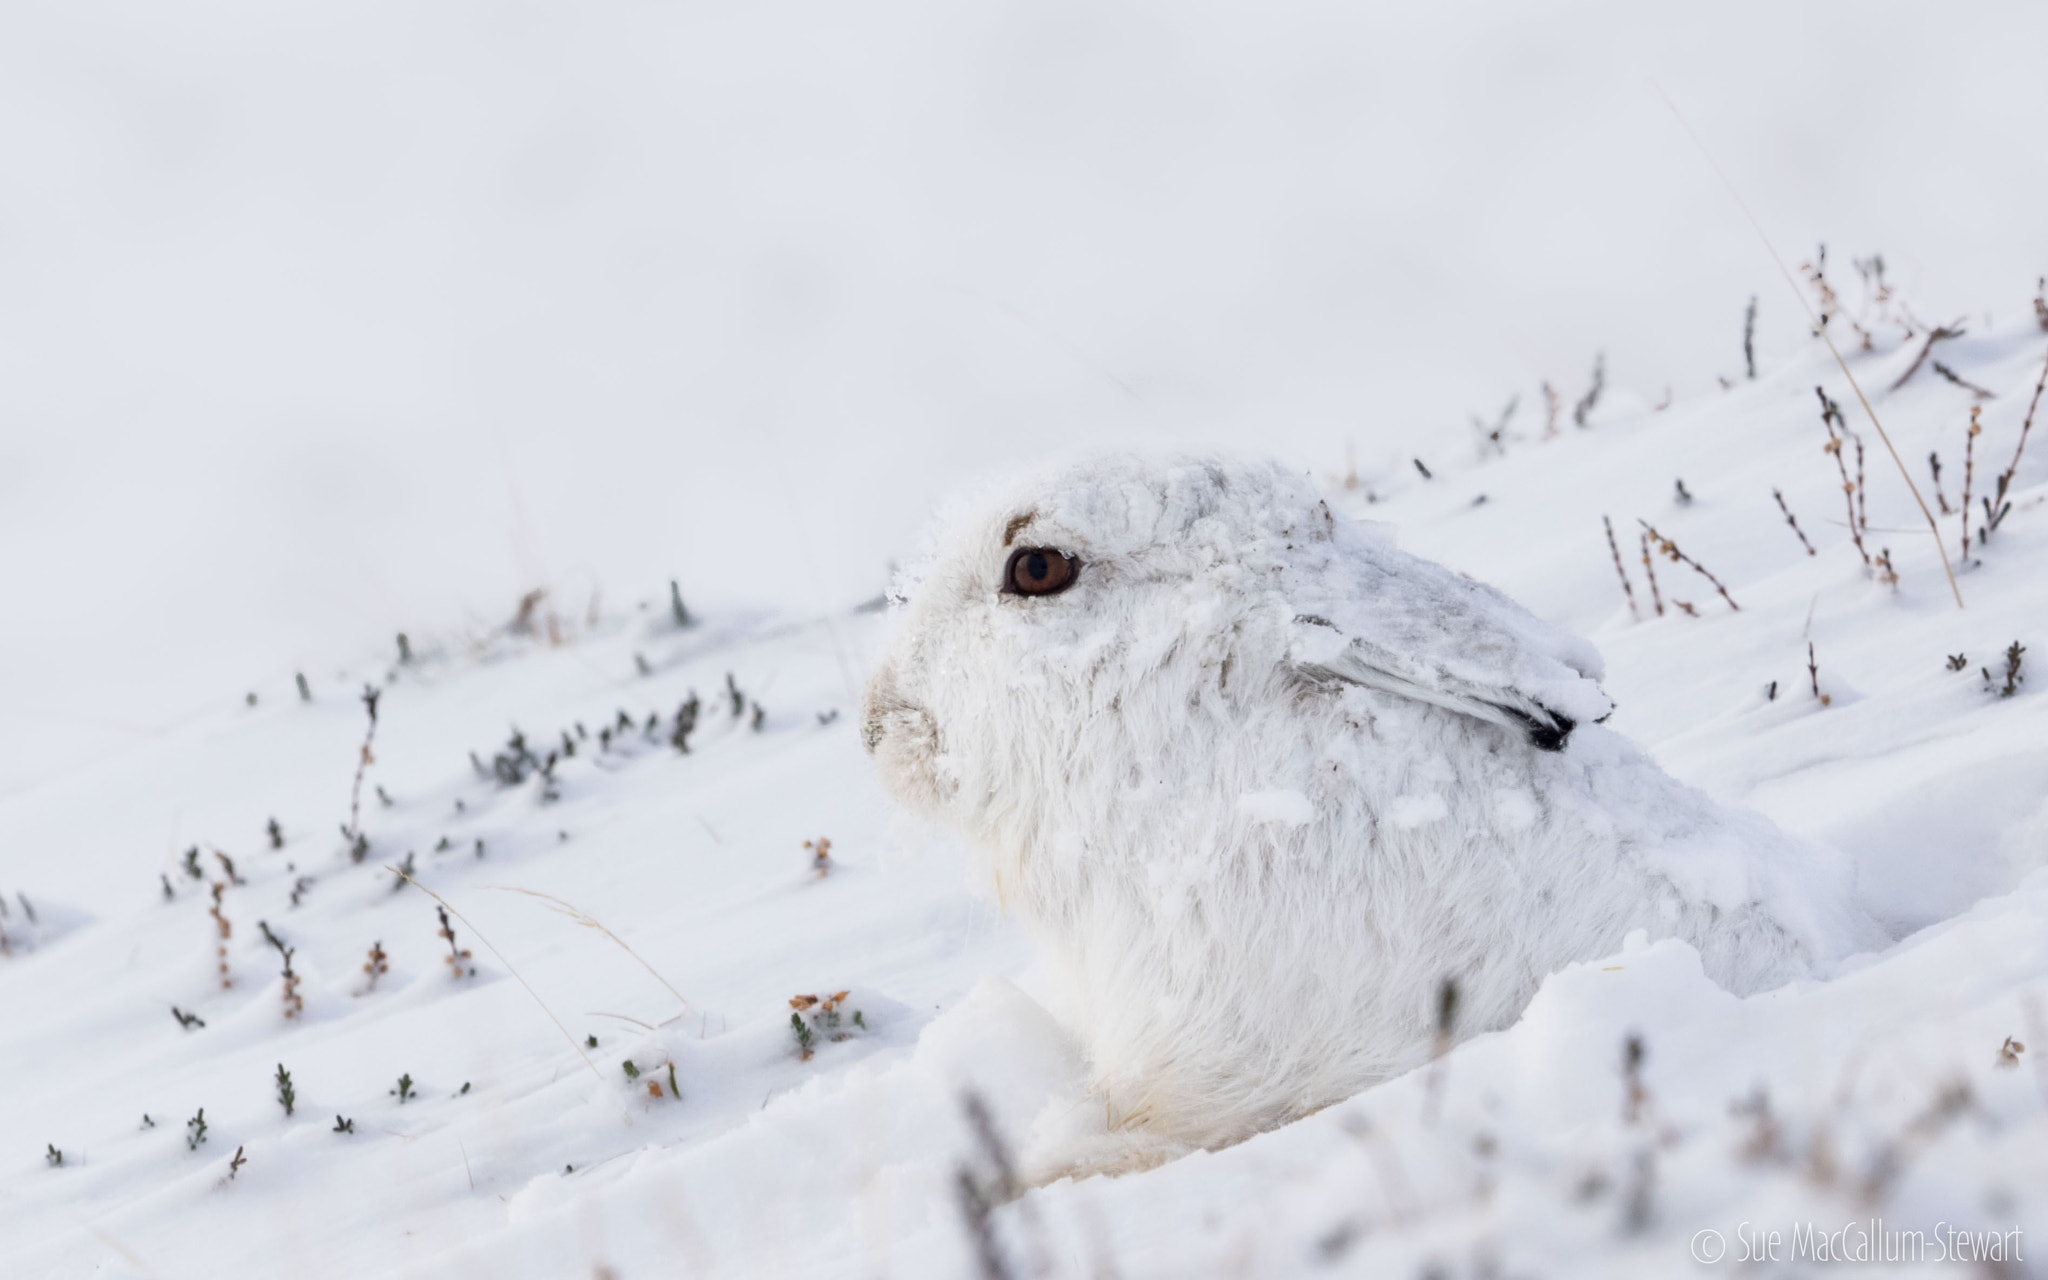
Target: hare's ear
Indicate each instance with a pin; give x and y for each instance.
(1321, 654)
(1504, 706)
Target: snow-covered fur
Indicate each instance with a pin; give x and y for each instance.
(1261, 783)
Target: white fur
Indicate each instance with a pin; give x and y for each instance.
(1260, 783)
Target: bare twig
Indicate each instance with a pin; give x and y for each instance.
(1615, 547)
(1934, 465)
(1932, 527)
(1953, 329)
(1670, 548)
(2012, 468)
(1963, 382)
(1788, 520)
(1650, 571)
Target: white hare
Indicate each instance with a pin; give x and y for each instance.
(1261, 784)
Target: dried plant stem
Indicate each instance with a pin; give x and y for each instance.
(1813, 668)
(355, 795)
(1932, 526)
(514, 972)
(1615, 547)
(2005, 477)
(1954, 329)
(1969, 475)
(1830, 417)
(1650, 571)
(1670, 548)
(1788, 520)
(1934, 466)
(589, 921)
(1862, 489)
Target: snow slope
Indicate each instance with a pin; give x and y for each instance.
(526, 1151)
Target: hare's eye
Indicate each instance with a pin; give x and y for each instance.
(1039, 571)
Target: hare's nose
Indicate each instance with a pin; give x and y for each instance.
(877, 701)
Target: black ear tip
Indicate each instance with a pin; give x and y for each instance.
(1550, 734)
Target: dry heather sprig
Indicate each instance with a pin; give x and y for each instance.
(1934, 465)
(1831, 417)
(376, 966)
(1933, 527)
(1830, 302)
(364, 760)
(227, 931)
(1788, 520)
(1994, 517)
(1969, 476)
(1615, 547)
(456, 956)
(1670, 549)
(1813, 675)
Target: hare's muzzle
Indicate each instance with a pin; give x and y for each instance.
(903, 738)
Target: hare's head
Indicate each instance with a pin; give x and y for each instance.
(1125, 621)
(1100, 602)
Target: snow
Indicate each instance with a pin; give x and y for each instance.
(327, 325)
(519, 1157)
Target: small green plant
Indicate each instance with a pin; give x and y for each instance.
(674, 1090)
(404, 873)
(192, 863)
(815, 1016)
(235, 1165)
(632, 1072)
(169, 893)
(1956, 662)
(675, 605)
(186, 1020)
(286, 1095)
(54, 1156)
(2013, 679)
(195, 1130)
(404, 1091)
(305, 690)
(276, 835)
(344, 1126)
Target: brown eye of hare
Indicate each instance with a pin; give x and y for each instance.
(1039, 571)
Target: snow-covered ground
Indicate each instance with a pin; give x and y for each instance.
(322, 323)
(527, 1149)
